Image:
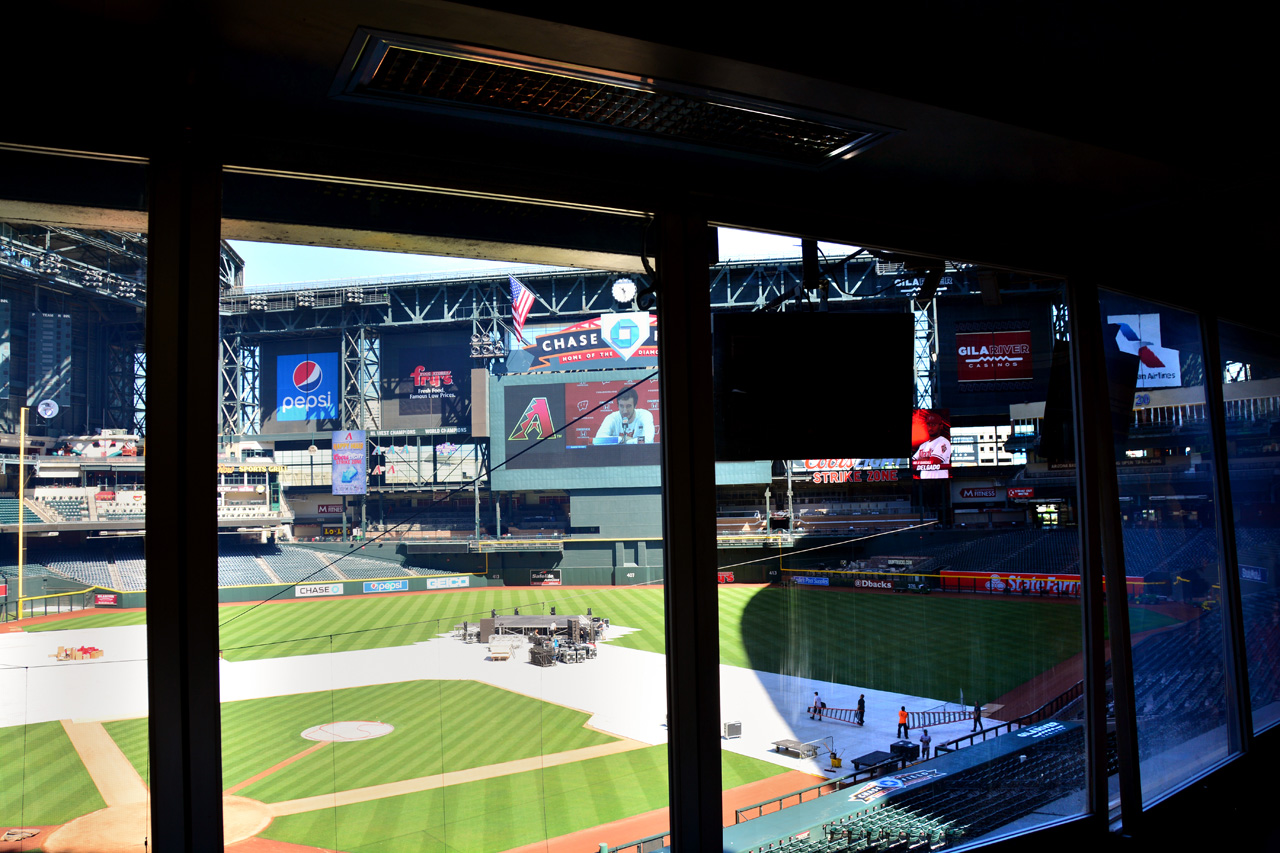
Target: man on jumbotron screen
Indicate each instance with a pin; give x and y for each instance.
(931, 435)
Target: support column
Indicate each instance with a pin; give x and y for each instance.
(181, 538)
(689, 510)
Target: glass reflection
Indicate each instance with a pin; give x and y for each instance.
(73, 575)
(1164, 466)
(934, 591)
(466, 653)
(1251, 398)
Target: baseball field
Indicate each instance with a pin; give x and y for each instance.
(432, 751)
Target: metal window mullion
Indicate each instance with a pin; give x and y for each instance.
(688, 501)
(1235, 653)
(181, 538)
(1102, 556)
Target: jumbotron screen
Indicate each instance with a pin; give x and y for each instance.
(590, 424)
(931, 444)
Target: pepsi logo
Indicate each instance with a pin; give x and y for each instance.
(307, 376)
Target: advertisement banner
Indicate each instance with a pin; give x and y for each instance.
(805, 580)
(447, 583)
(853, 470)
(610, 340)
(1022, 583)
(872, 583)
(724, 577)
(931, 444)
(386, 586)
(350, 474)
(106, 600)
(582, 424)
(993, 356)
(1021, 493)
(315, 589)
(1139, 334)
(544, 577)
(978, 493)
(4, 590)
(307, 386)
(328, 509)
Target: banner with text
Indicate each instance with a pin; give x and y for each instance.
(350, 472)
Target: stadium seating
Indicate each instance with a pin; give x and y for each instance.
(9, 512)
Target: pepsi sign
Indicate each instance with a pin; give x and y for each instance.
(307, 386)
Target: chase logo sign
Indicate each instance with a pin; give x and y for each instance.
(625, 333)
(315, 589)
(306, 386)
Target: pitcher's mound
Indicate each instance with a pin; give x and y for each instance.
(349, 730)
(125, 829)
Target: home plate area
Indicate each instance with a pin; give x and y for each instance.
(348, 730)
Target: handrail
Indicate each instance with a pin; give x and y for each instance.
(834, 784)
(1046, 710)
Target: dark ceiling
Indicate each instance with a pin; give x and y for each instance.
(1025, 130)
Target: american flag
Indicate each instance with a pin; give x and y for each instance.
(521, 304)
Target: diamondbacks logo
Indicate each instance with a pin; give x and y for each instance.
(535, 422)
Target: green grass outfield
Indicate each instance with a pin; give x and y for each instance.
(498, 814)
(42, 780)
(931, 646)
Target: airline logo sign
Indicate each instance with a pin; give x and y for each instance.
(317, 589)
(1139, 334)
(307, 386)
(993, 356)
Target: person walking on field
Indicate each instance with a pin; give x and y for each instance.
(902, 723)
(977, 716)
(862, 707)
(925, 740)
(817, 707)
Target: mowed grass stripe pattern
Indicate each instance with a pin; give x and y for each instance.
(501, 813)
(440, 727)
(42, 780)
(280, 629)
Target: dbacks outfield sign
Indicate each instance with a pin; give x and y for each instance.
(307, 386)
(1021, 583)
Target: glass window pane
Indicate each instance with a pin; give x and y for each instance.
(899, 566)
(73, 510)
(1251, 395)
(468, 652)
(1164, 467)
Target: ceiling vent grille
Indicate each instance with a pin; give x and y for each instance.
(430, 75)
